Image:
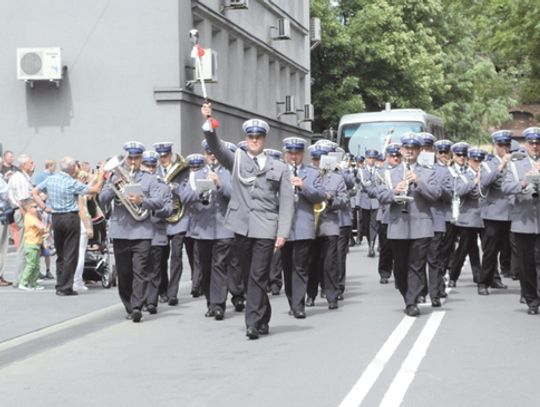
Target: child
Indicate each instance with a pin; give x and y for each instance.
(33, 238)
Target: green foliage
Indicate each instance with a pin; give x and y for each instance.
(462, 59)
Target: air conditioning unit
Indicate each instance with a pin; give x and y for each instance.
(209, 67)
(282, 30)
(39, 64)
(290, 107)
(315, 30)
(238, 4)
(309, 112)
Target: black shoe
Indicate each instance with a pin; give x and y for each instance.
(299, 314)
(195, 293)
(275, 290)
(136, 315)
(383, 280)
(173, 301)
(451, 283)
(323, 294)
(412, 311)
(499, 285)
(238, 304)
(435, 302)
(310, 302)
(48, 276)
(532, 310)
(522, 300)
(340, 297)
(421, 299)
(219, 314)
(333, 305)
(514, 278)
(264, 329)
(352, 243)
(252, 333)
(210, 313)
(483, 291)
(163, 299)
(65, 293)
(443, 295)
(152, 309)
(371, 252)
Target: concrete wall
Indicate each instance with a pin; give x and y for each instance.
(127, 66)
(116, 52)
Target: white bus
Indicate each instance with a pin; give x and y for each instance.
(361, 131)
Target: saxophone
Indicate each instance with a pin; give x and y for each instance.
(180, 164)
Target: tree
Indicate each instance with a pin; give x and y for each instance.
(423, 54)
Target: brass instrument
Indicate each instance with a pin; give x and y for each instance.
(403, 198)
(206, 196)
(319, 208)
(180, 164)
(116, 165)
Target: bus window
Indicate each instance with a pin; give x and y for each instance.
(374, 135)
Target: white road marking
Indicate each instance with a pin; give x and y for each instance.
(374, 369)
(396, 392)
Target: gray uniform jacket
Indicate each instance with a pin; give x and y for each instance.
(207, 222)
(496, 204)
(334, 184)
(413, 220)
(365, 180)
(158, 216)
(262, 201)
(345, 215)
(468, 191)
(122, 224)
(525, 213)
(303, 224)
(441, 208)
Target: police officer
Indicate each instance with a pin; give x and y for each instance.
(345, 226)
(369, 205)
(456, 159)
(132, 237)
(206, 227)
(170, 164)
(323, 268)
(496, 214)
(439, 210)
(521, 181)
(308, 190)
(410, 228)
(469, 222)
(150, 161)
(260, 212)
(386, 261)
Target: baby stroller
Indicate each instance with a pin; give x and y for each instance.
(97, 258)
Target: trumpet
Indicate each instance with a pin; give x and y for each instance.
(319, 208)
(403, 198)
(116, 165)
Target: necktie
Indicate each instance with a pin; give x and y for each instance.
(256, 162)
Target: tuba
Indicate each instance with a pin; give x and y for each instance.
(180, 164)
(116, 165)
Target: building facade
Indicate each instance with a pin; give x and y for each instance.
(128, 73)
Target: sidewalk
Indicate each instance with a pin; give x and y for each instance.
(24, 312)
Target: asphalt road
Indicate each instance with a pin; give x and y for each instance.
(474, 351)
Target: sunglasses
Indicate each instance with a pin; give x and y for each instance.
(460, 154)
(442, 152)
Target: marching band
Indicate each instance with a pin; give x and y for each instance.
(249, 215)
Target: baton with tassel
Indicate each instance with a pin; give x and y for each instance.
(197, 53)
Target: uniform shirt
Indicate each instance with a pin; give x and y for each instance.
(19, 188)
(33, 230)
(62, 191)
